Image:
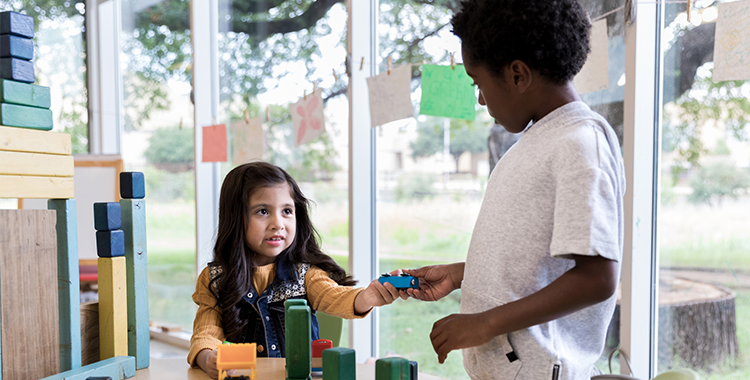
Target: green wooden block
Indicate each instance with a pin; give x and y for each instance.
(118, 368)
(13, 115)
(17, 69)
(294, 302)
(24, 94)
(392, 369)
(339, 363)
(134, 226)
(297, 323)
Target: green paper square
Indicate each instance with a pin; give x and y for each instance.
(447, 92)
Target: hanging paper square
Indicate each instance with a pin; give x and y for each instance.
(247, 140)
(594, 74)
(732, 42)
(390, 96)
(447, 92)
(215, 143)
(307, 118)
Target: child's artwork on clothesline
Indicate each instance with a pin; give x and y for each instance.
(247, 140)
(732, 42)
(447, 91)
(594, 75)
(390, 96)
(215, 143)
(307, 118)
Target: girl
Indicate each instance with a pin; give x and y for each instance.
(266, 252)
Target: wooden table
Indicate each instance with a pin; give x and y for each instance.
(268, 369)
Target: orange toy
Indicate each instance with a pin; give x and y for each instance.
(236, 356)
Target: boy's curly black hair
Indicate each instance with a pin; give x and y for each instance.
(550, 36)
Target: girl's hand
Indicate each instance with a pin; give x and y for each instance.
(207, 361)
(376, 294)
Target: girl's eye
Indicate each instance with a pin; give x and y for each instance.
(263, 212)
(288, 211)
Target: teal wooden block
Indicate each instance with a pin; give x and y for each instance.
(297, 323)
(339, 363)
(17, 24)
(118, 368)
(24, 94)
(107, 216)
(13, 115)
(16, 47)
(134, 227)
(110, 243)
(68, 286)
(17, 69)
(132, 185)
(393, 368)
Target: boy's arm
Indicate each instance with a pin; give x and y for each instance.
(592, 280)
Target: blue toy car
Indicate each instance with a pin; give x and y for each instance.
(404, 281)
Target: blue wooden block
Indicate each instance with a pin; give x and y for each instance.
(134, 226)
(68, 286)
(132, 185)
(16, 47)
(110, 243)
(118, 368)
(107, 216)
(17, 24)
(17, 69)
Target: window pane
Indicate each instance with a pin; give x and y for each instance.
(158, 141)
(704, 236)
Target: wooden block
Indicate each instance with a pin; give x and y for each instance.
(89, 332)
(14, 115)
(110, 244)
(113, 313)
(414, 370)
(28, 140)
(317, 353)
(297, 322)
(293, 302)
(132, 185)
(134, 226)
(107, 216)
(36, 164)
(16, 47)
(16, 24)
(14, 186)
(29, 334)
(68, 286)
(118, 368)
(393, 368)
(24, 94)
(339, 364)
(17, 69)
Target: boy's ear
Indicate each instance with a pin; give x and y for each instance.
(519, 75)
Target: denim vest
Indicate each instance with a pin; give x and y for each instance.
(265, 311)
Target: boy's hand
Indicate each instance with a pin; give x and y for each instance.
(376, 294)
(207, 361)
(436, 281)
(458, 331)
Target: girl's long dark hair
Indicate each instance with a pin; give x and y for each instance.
(235, 257)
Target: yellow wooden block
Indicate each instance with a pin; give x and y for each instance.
(30, 140)
(16, 186)
(113, 308)
(36, 164)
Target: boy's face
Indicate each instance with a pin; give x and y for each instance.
(272, 223)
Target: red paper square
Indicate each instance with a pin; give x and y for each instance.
(215, 143)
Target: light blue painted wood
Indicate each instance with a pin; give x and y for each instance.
(134, 224)
(118, 368)
(68, 287)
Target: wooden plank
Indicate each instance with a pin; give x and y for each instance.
(133, 213)
(17, 69)
(29, 140)
(298, 342)
(14, 186)
(16, 24)
(118, 368)
(16, 47)
(15, 115)
(28, 273)
(90, 332)
(113, 313)
(24, 94)
(36, 164)
(68, 286)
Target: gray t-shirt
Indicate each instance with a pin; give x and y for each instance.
(558, 192)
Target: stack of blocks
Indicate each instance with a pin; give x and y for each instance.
(22, 104)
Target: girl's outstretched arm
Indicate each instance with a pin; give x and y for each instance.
(376, 294)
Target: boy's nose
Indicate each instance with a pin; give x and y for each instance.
(481, 99)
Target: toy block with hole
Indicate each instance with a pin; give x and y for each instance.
(14, 115)
(298, 327)
(16, 47)
(317, 353)
(134, 226)
(16, 24)
(113, 307)
(110, 243)
(118, 368)
(107, 216)
(24, 94)
(393, 368)
(339, 364)
(17, 69)
(236, 356)
(132, 185)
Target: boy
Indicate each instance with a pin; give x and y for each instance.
(538, 285)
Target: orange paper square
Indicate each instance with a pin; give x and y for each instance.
(215, 143)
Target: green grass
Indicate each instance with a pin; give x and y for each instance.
(725, 254)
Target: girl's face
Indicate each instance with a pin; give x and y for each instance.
(272, 222)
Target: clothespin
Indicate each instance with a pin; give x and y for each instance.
(180, 122)
(361, 63)
(688, 10)
(247, 117)
(453, 61)
(389, 65)
(335, 77)
(315, 86)
(268, 114)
